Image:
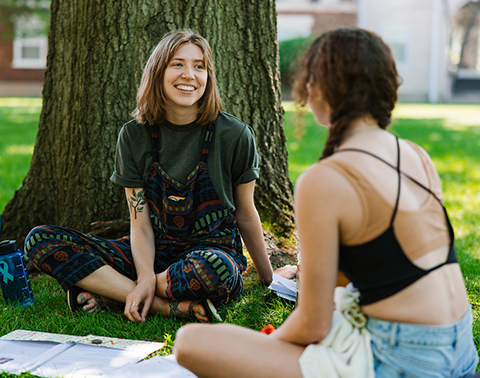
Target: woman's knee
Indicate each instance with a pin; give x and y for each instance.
(33, 238)
(204, 274)
(43, 241)
(187, 346)
(216, 264)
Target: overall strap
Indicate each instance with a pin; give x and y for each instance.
(206, 142)
(154, 137)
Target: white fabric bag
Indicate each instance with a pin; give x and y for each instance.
(346, 351)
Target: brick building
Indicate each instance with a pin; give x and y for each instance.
(300, 18)
(22, 59)
(420, 34)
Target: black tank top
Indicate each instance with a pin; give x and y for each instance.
(379, 268)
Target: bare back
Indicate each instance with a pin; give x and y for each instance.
(437, 298)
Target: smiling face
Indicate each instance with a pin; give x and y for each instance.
(184, 83)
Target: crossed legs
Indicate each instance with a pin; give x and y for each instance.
(109, 283)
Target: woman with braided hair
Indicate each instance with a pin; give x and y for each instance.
(372, 208)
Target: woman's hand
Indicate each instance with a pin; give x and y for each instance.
(287, 271)
(140, 299)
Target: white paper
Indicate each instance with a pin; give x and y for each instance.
(16, 354)
(154, 367)
(57, 355)
(283, 287)
(147, 347)
(46, 356)
(286, 296)
(87, 361)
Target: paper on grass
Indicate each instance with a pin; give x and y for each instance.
(52, 355)
(82, 360)
(283, 287)
(15, 355)
(73, 360)
(104, 341)
(26, 335)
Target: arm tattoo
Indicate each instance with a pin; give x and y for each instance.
(137, 202)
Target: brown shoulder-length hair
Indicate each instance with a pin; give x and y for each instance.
(356, 74)
(151, 100)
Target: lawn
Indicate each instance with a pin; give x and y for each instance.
(450, 133)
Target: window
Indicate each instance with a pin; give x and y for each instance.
(294, 26)
(29, 45)
(395, 34)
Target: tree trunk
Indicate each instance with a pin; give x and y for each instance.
(472, 11)
(97, 51)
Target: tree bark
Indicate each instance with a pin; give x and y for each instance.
(97, 51)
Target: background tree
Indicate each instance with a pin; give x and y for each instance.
(97, 51)
(12, 11)
(468, 21)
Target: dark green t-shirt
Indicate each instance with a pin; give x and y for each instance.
(232, 159)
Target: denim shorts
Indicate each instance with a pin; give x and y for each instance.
(412, 350)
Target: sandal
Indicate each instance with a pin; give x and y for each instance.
(190, 315)
(72, 295)
(105, 303)
(102, 302)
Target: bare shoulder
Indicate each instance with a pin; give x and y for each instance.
(322, 180)
(326, 199)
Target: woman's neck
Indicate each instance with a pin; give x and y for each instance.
(361, 125)
(181, 116)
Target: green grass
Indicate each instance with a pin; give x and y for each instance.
(450, 134)
(18, 128)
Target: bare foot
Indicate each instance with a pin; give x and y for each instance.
(87, 301)
(198, 310)
(92, 303)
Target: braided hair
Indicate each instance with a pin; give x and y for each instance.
(356, 74)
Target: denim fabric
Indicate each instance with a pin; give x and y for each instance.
(412, 350)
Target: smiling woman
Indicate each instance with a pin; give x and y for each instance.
(189, 173)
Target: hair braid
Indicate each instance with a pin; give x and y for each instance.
(335, 134)
(356, 75)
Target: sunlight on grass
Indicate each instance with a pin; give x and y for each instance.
(289, 106)
(466, 115)
(19, 150)
(20, 101)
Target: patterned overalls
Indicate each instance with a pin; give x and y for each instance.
(196, 238)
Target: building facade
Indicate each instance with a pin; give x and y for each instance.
(418, 32)
(425, 37)
(23, 56)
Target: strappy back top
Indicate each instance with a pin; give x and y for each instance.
(378, 258)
